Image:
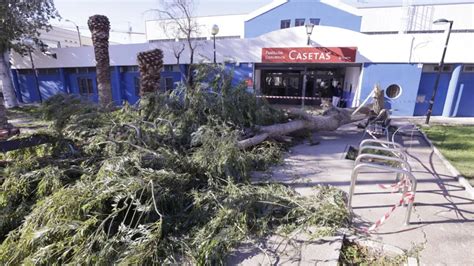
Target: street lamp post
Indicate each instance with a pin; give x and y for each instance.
(29, 43)
(309, 31)
(440, 67)
(78, 32)
(214, 32)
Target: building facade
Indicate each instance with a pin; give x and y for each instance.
(62, 38)
(278, 63)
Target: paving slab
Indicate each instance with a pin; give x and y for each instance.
(299, 250)
(442, 222)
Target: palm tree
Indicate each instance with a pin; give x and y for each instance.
(99, 26)
(150, 64)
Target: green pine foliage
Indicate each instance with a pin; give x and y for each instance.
(159, 182)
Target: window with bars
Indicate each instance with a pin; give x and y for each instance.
(85, 86)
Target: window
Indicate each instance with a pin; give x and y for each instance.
(85, 86)
(393, 91)
(285, 24)
(299, 22)
(136, 82)
(129, 69)
(85, 70)
(314, 21)
(468, 68)
(435, 68)
(48, 71)
(169, 84)
(445, 68)
(168, 68)
(26, 71)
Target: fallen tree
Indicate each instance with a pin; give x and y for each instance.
(163, 182)
(331, 120)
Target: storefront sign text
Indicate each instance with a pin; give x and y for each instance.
(309, 55)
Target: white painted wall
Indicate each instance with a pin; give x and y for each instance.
(391, 18)
(352, 78)
(66, 38)
(398, 48)
(229, 25)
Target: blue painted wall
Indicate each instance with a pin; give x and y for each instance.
(407, 76)
(116, 84)
(128, 83)
(50, 85)
(27, 87)
(240, 72)
(16, 85)
(123, 85)
(464, 98)
(328, 15)
(426, 90)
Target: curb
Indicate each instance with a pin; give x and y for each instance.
(461, 179)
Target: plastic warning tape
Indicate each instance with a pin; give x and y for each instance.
(287, 97)
(407, 198)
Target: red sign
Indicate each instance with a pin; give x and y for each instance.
(309, 55)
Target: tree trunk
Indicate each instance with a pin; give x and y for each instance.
(379, 101)
(9, 97)
(3, 113)
(331, 120)
(99, 26)
(150, 64)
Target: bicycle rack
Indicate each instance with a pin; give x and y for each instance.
(401, 153)
(411, 128)
(384, 143)
(408, 174)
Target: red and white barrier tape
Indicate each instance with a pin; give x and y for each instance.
(396, 187)
(407, 198)
(287, 97)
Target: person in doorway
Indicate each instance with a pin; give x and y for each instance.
(337, 93)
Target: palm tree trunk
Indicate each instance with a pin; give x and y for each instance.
(331, 120)
(99, 26)
(150, 64)
(6, 81)
(3, 113)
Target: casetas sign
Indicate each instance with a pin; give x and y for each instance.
(309, 55)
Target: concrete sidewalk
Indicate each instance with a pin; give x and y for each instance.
(442, 223)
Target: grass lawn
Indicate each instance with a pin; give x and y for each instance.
(456, 143)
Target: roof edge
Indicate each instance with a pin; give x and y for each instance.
(342, 6)
(265, 8)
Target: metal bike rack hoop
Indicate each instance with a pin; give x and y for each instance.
(408, 174)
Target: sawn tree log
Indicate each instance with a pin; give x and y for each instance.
(331, 120)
